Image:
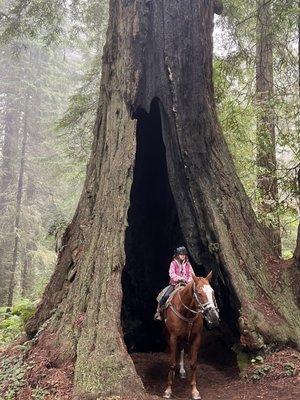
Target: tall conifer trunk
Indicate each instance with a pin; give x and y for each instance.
(7, 193)
(266, 146)
(12, 280)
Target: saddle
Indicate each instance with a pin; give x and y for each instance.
(177, 288)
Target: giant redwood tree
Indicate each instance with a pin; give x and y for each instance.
(159, 174)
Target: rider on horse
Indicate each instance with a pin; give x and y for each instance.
(180, 271)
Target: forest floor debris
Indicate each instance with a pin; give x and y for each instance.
(35, 373)
(221, 381)
(42, 377)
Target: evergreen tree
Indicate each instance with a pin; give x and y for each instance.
(235, 78)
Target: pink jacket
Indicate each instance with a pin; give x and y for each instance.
(179, 271)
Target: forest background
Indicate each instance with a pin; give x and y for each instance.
(50, 70)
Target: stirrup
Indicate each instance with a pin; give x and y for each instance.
(157, 316)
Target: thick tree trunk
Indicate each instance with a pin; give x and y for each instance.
(296, 255)
(266, 151)
(157, 66)
(297, 249)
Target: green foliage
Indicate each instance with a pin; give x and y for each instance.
(261, 372)
(261, 368)
(12, 377)
(237, 118)
(39, 394)
(290, 369)
(30, 19)
(76, 125)
(234, 78)
(10, 328)
(44, 77)
(12, 320)
(61, 82)
(243, 360)
(23, 309)
(257, 360)
(51, 22)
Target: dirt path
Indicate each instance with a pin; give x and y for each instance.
(218, 376)
(214, 382)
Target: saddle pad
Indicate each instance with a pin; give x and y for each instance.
(160, 294)
(177, 289)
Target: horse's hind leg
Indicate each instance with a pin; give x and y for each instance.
(182, 372)
(173, 350)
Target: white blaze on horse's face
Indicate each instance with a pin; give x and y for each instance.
(211, 313)
(208, 290)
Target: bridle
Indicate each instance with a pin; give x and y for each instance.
(201, 308)
(204, 307)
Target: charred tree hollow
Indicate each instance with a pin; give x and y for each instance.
(152, 234)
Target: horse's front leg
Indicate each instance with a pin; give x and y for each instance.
(194, 349)
(182, 372)
(173, 351)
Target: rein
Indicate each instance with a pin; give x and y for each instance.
(189, 309)
(201, 308)
(190, 321)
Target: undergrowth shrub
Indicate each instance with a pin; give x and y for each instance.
(12, 377)
(12, 320)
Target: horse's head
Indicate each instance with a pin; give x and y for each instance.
(205, 299)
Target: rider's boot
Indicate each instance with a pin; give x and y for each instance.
(157, 315)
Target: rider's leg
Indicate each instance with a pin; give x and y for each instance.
(162, 302)
(166, 296)
(157, 314)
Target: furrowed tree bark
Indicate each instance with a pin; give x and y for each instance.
(159, 50)
(266, 147)
(296, 254)
(297, 249)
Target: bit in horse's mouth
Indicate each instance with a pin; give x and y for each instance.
(211, 325)
(211, 319)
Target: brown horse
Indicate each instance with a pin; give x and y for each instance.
(184, 322)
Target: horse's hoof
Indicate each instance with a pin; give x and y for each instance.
(196, 396)
(167, 394)
(182, 375)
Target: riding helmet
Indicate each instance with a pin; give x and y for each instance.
(180, 250)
